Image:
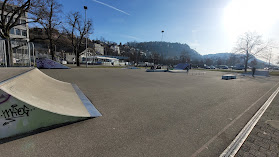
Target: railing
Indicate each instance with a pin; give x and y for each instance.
(23, 53)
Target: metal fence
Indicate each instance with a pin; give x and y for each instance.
(23, 53)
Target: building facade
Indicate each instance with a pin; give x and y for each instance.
(21, 30)
(116, 49)
(99, 49)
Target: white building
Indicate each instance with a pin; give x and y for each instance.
(99, 49)
(70, 57)
(115, 48)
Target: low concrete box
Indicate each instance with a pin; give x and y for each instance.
(228, 77)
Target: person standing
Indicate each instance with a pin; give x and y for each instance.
(187, 68)
(253, 71)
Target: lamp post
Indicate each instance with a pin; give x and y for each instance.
(269, 57)
(162, 35)
(161, 44)
(85, 8)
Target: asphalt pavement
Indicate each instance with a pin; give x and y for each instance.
(151, 114)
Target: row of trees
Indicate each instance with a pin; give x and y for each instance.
(47, 14)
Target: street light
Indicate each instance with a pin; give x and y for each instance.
(161, 45)
(269, 57)
(85, 8)
(162, 35)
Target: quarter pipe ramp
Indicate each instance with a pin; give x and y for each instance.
(33, 100)
(45, 63)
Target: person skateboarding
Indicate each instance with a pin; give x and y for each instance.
(253, 71)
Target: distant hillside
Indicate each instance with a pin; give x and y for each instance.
(166, 48)
(226, 56)
(218, 55)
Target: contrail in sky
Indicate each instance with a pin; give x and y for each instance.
(111, 7)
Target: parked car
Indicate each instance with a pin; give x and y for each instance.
(207, 67)
(239, 67)
(266, 68)
(223, 67)
(212, 67)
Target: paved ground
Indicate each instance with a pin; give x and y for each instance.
(263, 141)
(6, 73)
(151, 114)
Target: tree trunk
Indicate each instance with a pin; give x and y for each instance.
(9, 52)
(77, 58)
(51, 49)
(246, 61)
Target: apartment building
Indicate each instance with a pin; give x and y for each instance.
(21, 31)
(99, 49)
(115, 48)
(19, 35)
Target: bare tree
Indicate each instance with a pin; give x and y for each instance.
(184, 56)
(77, 31)
(251, 44)
(48, 17)
(11, 11)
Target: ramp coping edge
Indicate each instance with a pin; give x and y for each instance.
(86, 102)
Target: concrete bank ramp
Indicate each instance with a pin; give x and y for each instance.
(33, 100)
(45, 63)
(156, 70)
(181, 66)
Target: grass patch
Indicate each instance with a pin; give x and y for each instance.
(223, 70)
(274, 73)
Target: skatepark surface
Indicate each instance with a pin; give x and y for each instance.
(7, 73)
(151, 114)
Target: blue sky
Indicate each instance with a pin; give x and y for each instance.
(209, 26)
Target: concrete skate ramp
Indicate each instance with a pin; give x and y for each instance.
(181, 66)
(41, 91)
(31, 100)
(45, 63)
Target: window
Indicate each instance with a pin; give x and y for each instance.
(18, 31)
(17, 22)
(23, 22)
(12, 31)
(8, 18)
(24, 33)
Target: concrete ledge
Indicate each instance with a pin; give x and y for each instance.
(178, 71)
(228, 77)
(156, 70)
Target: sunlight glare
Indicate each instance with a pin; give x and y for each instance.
(250, 15)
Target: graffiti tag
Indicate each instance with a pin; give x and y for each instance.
(4, 98)
(15, 112)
